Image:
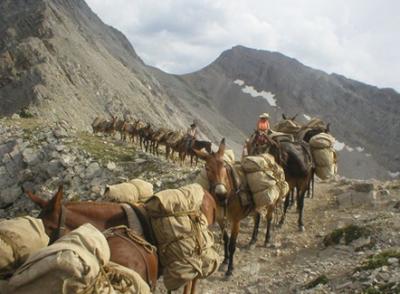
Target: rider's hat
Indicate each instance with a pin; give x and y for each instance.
(193, 125)
(264, 115)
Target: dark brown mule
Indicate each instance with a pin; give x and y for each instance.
(157, 138)
(120, 127)
(197, 145)
(225, 189)
(145, 136)
(59, 218)
(296, 160)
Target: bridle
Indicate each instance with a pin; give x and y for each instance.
(61, 229)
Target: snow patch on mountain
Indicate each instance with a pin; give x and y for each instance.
(254, 93)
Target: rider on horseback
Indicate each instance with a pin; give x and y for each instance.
(191, 136)
(259, 138)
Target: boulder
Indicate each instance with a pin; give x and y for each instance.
(9, 195)
(30, 157)
(352, 198)
(364, 187)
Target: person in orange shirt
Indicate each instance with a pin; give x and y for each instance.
(263, 123)
(259, 138)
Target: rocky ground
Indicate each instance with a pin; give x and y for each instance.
(352, 238)
(39, 157)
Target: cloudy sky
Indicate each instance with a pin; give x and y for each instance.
(357, 38)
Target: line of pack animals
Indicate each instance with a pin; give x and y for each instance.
(129, 238)
(149, 138)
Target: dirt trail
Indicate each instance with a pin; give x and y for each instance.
(295, 258)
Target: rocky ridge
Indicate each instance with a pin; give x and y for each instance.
(242, 82)
(38, 158)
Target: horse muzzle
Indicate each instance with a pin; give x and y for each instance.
(220, 190)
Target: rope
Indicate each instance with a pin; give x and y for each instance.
(111, 279)
(133, 236)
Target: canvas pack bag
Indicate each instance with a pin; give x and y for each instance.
(265, 178)
(324, 155)
(287, 126)
(184, 242)
(131, 192)
(19, 238)
(70, 265)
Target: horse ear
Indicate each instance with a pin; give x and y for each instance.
(201, 154)
(294, 117)
(37, 200)
(221, 149)
(328, 127)
(283, 116)
(56, 201)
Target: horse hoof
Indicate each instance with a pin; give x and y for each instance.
(301, 229)
(250, 246)
(222, 267)
(228, 275)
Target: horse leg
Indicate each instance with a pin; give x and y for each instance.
(194, 282)
(232, 246)
(300, 207)
(285, 208)
(253, 239)
(187, 288)
(291, 194)
(270, 214)
(226, 249)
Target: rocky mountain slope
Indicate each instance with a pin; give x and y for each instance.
(59, 61)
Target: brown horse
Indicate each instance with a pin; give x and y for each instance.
(59, 219)
(225, 189)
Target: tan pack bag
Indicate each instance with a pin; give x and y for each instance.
(70, 265)
(229, 156)
(324, 155)
(132, 192)
(265, 178)
(185, 244)
(19, 238)
(202, 179)
(287, 126)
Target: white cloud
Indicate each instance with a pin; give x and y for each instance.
(359, 39)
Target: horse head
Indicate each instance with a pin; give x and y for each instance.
(51, 213)
(217, 172)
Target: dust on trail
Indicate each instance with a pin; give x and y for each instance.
(294, 258)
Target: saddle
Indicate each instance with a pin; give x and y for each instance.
(138, 236)
(259, 143)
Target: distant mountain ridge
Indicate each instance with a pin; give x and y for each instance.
(360, 114)
(62, 62)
